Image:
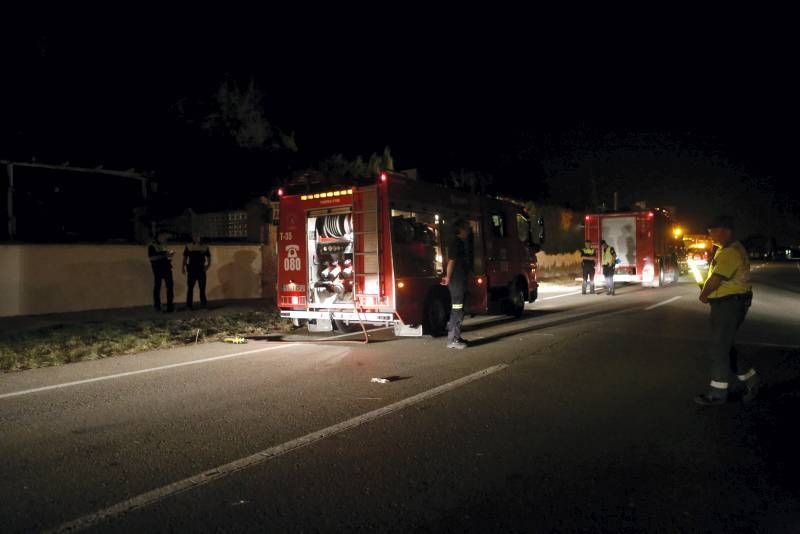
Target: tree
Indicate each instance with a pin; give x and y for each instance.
(236, 112)
(239, 113)
(474, 181)
(339, 167)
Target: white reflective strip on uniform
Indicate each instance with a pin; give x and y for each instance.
(458, 306)
(747, 376)
(719, 385)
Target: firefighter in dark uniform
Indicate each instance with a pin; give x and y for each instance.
(161, 263)
(728, 292)
(196, 261)
(459, 266)
(588, 260)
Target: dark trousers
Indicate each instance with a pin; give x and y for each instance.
(166, 276)
(588, 274)
(608, 274)
(457, 296)
(193, 277)
(727, 315)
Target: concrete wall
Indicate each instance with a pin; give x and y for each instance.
(36, 279)
(558, 265)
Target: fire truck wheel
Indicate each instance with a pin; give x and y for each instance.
(661, 277)
(437, 313)
(516, 301)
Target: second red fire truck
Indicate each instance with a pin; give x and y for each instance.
(643, 242)
(374, 253)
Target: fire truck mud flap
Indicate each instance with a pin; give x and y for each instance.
(320, 325)
(405, 330)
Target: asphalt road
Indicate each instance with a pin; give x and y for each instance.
(577, 417)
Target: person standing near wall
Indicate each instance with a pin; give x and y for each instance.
(196, 261)
(161, 263)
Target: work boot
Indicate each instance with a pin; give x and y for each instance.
(456, 345)
(708, 399)
(751, 388)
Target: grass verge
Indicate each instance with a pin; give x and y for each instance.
(66, 343)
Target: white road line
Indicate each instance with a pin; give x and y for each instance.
(559, 296)
(673, 299)
(158, 494)
(140, 371)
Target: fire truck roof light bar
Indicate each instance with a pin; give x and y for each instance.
(326, 194)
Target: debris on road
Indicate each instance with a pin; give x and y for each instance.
(235, 339)
(380, 380)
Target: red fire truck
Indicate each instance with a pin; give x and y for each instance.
(374, 253)
(644, 244)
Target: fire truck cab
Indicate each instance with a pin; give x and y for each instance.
(375, 253)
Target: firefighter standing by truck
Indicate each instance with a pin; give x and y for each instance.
(608, 259)
(728, 292)
(588, 260)
(457, 275)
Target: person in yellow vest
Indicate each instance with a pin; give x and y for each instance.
(728, 292)
(608, 258)
(196, 261)
(161, 262)
(588, 261)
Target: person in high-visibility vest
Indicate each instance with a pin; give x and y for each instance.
(196, 261)
(459, 266)
(608, 259)
(588, 260)
(728, 293)
(161, 263)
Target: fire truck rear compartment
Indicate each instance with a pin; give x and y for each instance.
(330, 259)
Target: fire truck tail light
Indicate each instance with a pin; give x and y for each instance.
(479, 280)
(648, 273)
(280, 191)
(383, 177)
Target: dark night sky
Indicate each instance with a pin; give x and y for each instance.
(444, 92)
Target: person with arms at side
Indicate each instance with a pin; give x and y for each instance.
(196, 261)
(161, 263)
(456, 277)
